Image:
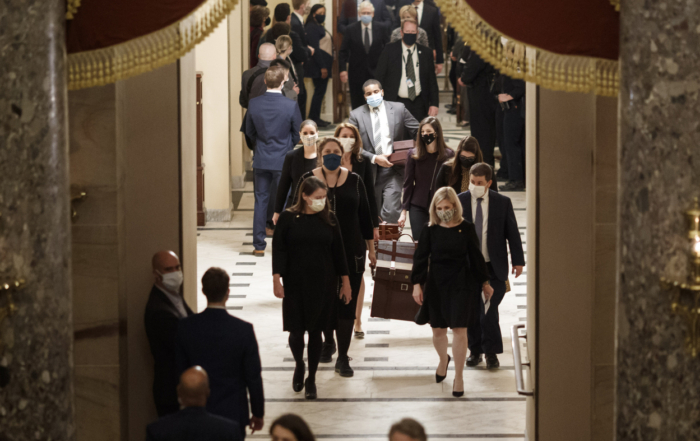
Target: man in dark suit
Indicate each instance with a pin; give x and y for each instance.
(414, 84)
(297, 23)
(494, 220)
(362, 46)
(193, 422)
(350, 13)
(164, 309)
(227, 349)
(428, 20)
(380, 124)
(272, 123)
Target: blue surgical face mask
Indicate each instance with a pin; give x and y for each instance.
(375, 99)
(366, 19)
(332, 161)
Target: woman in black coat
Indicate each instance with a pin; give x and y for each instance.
(455, 172)
(308, 254)
(320, 66)
(449, 263)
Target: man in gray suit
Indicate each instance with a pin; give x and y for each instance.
(381, 123)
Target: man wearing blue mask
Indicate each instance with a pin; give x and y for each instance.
(381, 123)
(363, 43)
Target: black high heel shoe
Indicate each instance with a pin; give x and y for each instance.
(310, 389)
(455, 393)
(440, 378)
(298, 379)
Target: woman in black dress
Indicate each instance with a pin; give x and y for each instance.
(307, 253)
(348, 200)
(448, 261)
(359, 161)
(296, 163)
(455, 172)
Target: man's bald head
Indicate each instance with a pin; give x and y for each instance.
(164, 262)
(267, 52)
(193, 389)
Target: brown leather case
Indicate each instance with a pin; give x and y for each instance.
(400, 153)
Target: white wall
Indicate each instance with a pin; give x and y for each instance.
(212, 60)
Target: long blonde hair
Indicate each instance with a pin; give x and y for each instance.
(283, 43)
(451, 195)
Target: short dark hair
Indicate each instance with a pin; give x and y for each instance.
(281, 63)
(274, 76)
(215, 284)
(296, 425)
(409, 427)
(371, 82)
(277, 30)
(282, 11)
(481, 169)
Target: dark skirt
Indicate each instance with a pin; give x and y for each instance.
(454, 302)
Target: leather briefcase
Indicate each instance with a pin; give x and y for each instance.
(400, 153)
(393, 290)
(389, 231)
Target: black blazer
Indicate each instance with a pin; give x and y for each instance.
(390, 67)
(292, 171)
(501, 227)
(227, 349)
(476, 72)
(352, 51)
(161, 320)
(430, 22)
(445, 173)
(348, 14)
(320, 59)
(364, 170)
(194, 424)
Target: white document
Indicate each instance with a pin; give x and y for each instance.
(486, 304)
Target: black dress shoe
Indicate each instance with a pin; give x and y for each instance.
(322, 124)
(342, 366)
(310, 389)
(474, 359)
(327, 352)
(298, 379)
(492, 361)
(513, 186)
(440, 378)
(455, 393)
(452, 112)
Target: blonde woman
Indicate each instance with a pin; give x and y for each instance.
(453, 284)
(283, 44)
(409, 12)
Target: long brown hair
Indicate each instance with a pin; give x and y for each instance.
(357, 147)
(421, 149)
(308, 187)
(467, 144)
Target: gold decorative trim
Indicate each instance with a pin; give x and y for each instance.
(616, 4)
(72, 8)
(148, 52)
(553, 71)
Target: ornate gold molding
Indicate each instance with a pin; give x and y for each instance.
(550, 70)
(72, 8)
(616, 4)
(149, 52)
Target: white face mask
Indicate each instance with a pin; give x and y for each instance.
(172, 281)
(317, 204)
(309, 139)
(477, 191)
(347, 143)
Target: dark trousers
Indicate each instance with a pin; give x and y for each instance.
(356, 79)
(264, 181)
(418, 107)
(301, 97)
(486, 338)
(320, 86)
(419, 219)
(167, 409)
(482, 117)
(453, 81)
(514, 140)
(503, 171)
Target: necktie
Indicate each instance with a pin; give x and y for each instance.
(411, 75)
(377, 132)
(367, 42)
(479, 221)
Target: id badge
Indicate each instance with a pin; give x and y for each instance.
(409, 82)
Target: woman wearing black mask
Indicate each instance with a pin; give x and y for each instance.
(320, 65)
(347, 198)
(422, 167)
(455, 172)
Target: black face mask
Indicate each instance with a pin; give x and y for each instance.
(467, 161)
(268, 21)
(410, 39)
(428, 138)
(320, 18)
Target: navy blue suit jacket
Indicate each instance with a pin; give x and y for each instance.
(272, 122)
(193, 424)
(501, 227)
(227, 349)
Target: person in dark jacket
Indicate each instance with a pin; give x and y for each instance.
(428, 19)
(227, 349)
(455, 172)
(164, 309)
(350, 13)
(193, 422)
(419, 183)
(297, 22)
(259, 18)
(320, 66)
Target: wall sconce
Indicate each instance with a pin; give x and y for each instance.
(686, 296)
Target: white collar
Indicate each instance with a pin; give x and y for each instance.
(368, 26)
(405, 48)
(420, 6)
(216, 307)
(274, 91)
(299, 16)
(380, 107)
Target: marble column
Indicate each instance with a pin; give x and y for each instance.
(657, 394)
(37, 402)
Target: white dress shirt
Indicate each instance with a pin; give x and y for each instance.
(274, 90)
(403, 86)
(387, 144)
(484, 230)
(368, 27)
(300, 17)
(176, 300)
(419, 10)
